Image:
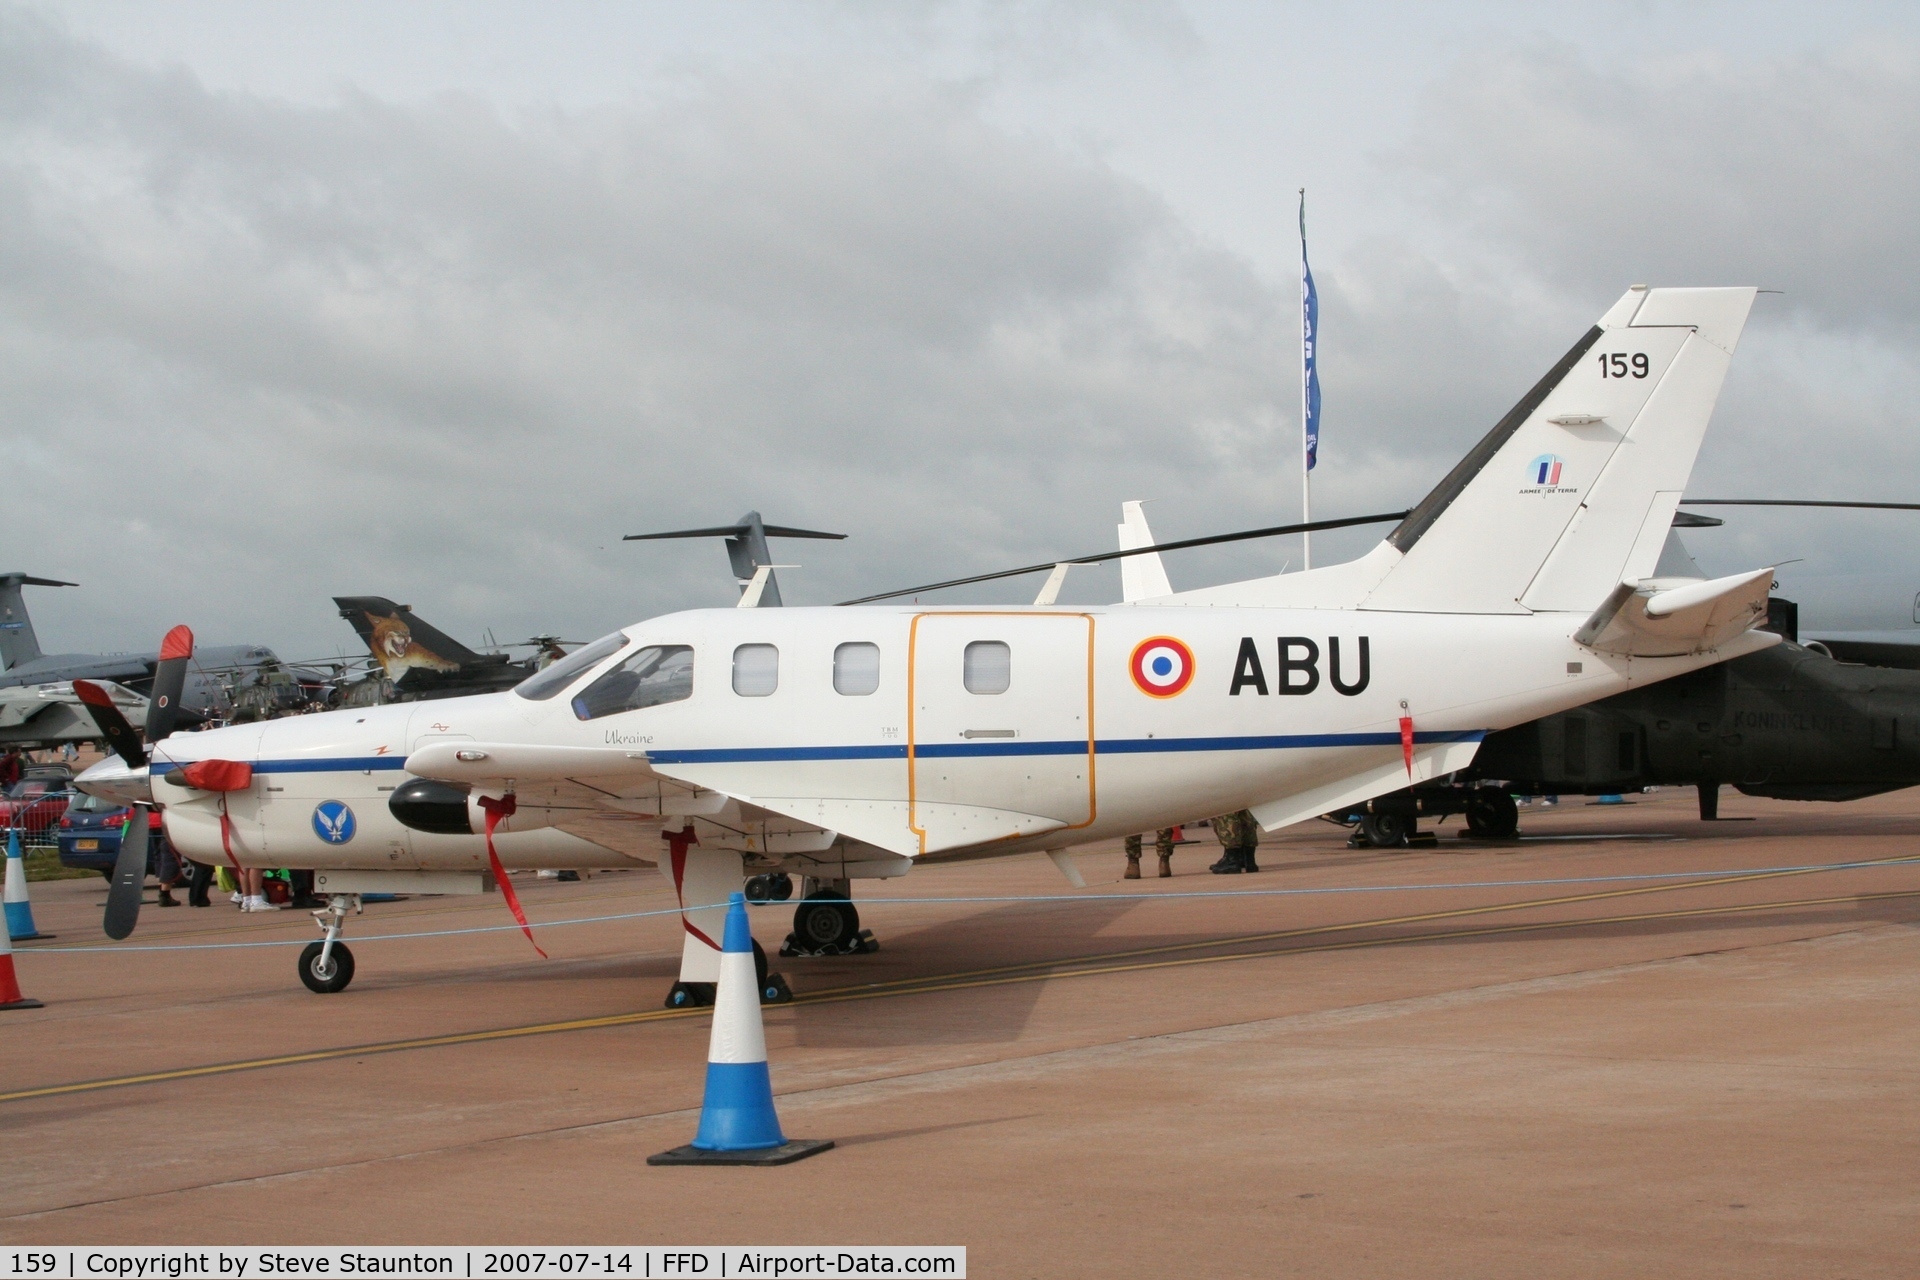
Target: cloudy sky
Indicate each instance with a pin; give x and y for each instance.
(436, 301)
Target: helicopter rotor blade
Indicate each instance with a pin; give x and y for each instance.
(1798, 502)
(1273, 531)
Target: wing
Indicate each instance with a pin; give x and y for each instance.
(618, 800)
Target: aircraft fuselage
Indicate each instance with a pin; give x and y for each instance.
(930, 732)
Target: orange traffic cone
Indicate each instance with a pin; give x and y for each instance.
(10, 997)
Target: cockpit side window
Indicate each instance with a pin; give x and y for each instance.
(542, 685)
(657, 674)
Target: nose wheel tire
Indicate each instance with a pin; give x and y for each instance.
(331, 977)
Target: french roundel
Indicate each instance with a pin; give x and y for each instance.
(1162, 667)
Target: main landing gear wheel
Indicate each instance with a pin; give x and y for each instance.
(825, 923)
(333, 975)
(1492, 814)
(1385, 830)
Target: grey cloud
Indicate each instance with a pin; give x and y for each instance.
(449, 354)
(1793, 173)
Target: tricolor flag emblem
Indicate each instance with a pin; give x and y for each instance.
(1545, 469)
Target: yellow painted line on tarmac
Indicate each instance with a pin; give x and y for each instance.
(302, 917)
(1038, 972)
(329, 1055)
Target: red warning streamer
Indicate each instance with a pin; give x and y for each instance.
(496, 810)
(1406, 743)
(226, 834)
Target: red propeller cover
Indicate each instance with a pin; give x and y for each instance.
(218, 775)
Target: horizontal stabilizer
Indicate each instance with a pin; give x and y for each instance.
(1644, 621)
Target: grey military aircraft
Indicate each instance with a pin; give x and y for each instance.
(216, 674)
(747, 552)
(36, 716)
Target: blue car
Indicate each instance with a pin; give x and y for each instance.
(89, 834)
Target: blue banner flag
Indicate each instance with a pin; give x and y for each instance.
(1309, 335)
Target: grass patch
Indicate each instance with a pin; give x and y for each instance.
(44, 864)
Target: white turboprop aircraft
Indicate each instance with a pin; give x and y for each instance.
(840, 743)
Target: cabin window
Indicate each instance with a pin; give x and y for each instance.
(987, 667)
(756, 670)
(657, 674)
(856, 668)
(542, 685)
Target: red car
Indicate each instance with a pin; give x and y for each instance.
(35, 805)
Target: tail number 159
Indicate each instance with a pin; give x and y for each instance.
(1617, 364)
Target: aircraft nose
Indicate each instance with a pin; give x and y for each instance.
(112, 779)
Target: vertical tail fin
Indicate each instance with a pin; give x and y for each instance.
(1573, 491)
(399, 640)
(1141, 577)
(18, 643)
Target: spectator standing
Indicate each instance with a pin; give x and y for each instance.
(1238, 834)
(1163, 845)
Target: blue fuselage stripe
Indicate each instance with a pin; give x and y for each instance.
(1105, 746)
(348, 764)
(931, 751)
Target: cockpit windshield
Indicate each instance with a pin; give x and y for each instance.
(542, 685)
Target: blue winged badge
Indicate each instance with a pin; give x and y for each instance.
(333, 822)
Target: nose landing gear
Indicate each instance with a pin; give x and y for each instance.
(326, 966)
(700, 995)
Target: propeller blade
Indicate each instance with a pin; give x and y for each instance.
(114, 727)
(169, 680)
(1274, 531)
(129, 876)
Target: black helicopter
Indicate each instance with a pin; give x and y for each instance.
(1810, 721)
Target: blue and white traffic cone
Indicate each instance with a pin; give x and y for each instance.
(19, 907)
(738, 1124)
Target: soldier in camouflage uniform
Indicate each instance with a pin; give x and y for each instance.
(1238, 834)
(1163, 845)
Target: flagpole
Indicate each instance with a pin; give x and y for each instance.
(1306, 372)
